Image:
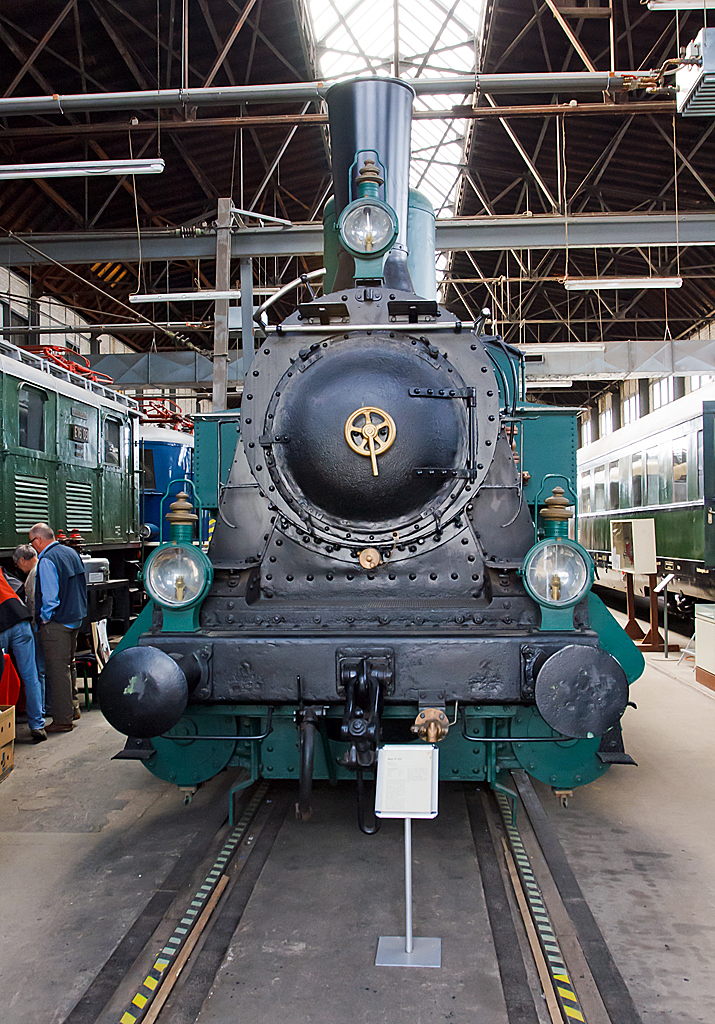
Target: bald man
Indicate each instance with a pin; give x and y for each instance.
(60, 607)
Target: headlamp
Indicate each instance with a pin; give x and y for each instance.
(557, 572)
(177, 575)
(367, 228)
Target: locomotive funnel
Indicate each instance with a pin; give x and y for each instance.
(142, 691)
(372, 116)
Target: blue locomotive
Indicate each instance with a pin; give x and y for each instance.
(376, 573)
(166, 457)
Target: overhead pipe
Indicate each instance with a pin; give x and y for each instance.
(155, 99)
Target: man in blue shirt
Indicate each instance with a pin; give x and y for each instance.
(60, 607)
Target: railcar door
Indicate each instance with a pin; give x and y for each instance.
(77, 433)
(117, 461)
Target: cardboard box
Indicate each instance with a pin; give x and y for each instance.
(7, 741)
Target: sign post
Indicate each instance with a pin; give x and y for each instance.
(407, 783)
(662, 588)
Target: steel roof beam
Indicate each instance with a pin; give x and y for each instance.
(27, 65)
(541, 232)
(229, 42)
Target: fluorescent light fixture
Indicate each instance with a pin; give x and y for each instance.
(203, 293)
(548, 382)
(681, 5)
(545, 347)
(80, 169)
(585, 284)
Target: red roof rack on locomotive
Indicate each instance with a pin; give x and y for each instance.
(166, 413)
(68, 359)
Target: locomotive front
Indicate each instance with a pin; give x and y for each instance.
(373, 574)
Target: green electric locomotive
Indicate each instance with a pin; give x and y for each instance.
(69, 458)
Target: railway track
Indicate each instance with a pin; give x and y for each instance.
(521, 945)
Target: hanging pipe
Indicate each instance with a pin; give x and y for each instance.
(224, 96)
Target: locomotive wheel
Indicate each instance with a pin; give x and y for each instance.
(564, 764)
(185, 761)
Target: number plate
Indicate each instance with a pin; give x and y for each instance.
(79, 433)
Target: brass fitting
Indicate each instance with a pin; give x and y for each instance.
(431, 725)
(556, 507)
(369, 558)
(182, 511)
(370, 172)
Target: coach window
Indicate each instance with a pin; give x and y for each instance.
(652, 477)
(586, 491)
(599, 488)
(680, 469)
(31, 418)
(637, 480)
(112, 443)
(613, 494)
(146, 468)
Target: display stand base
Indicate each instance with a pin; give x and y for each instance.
(391, 952)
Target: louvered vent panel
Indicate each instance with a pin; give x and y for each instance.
(32, 502)
(79, 506)
(701, 102)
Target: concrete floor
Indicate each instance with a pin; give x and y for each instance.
(305, 948)
(84, 841)
(641, 842)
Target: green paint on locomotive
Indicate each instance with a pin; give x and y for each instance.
(565, 764)
(549, 445)
(66, 461)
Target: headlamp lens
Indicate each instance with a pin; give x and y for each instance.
(557, 574)
(368, 228)
(176, 575)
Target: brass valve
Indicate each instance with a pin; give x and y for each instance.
(371, 437)
(369, 558)
(431, 725)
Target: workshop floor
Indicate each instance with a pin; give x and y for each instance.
(641, 842)
(85, 841)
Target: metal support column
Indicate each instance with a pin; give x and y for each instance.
(223, 283)
(247, 310)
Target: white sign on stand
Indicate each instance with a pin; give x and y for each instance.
(407, 787)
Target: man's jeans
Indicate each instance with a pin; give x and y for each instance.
(40, 662)
(20, 641)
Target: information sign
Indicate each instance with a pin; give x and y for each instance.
(407, 781)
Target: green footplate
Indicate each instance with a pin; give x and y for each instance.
(186, 761)
(564, 764)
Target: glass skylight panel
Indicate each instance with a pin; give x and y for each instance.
(437, 39)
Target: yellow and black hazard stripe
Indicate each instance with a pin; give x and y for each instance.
(142, 999)
(565, 992)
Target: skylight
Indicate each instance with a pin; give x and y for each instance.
(437, 39)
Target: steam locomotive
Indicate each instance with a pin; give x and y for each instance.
(375, 573)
